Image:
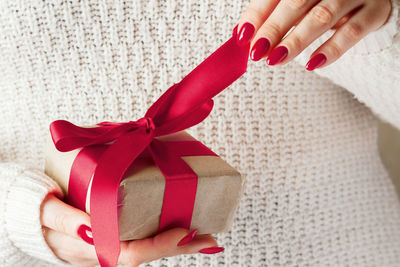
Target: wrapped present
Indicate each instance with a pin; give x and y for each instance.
(141, 177)
(141, 191)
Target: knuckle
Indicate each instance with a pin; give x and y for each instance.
(254, 12)
(322, 14)
(352, 31)
(296, 42)
(334, 50)
(60, 222)
(274, 29)
(296, 4)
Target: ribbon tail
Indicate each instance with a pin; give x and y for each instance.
(103, 198)
(213, 75)
(180, 187)
(81, 173)
(186, 120)
(189, 148)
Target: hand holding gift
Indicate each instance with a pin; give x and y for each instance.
(64, 227)
(140, 178)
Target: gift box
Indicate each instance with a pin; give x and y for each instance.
(219, 188)
(138, 178)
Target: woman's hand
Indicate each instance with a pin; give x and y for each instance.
(67, 232)
(266, 22)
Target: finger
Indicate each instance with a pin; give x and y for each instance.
(356, 28)
(252, 19)
(318, 20)
(70, 249)
(341, 21)
(283, 18)
(162, 245)
(59, 216)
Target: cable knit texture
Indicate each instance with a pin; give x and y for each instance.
(317, 193)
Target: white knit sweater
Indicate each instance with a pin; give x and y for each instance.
(316, 194)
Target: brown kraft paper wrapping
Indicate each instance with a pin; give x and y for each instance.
(141, 192)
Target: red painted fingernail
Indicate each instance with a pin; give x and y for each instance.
(187, 238)
(277, 55)
(211, 250)
(260, 48)
(85, 232)
(316, 62)
(245, 34)
(234, 32)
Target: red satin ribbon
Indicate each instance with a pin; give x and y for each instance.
(183, 105)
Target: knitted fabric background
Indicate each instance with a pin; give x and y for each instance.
(316, 193)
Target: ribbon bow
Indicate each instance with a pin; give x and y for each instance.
(182, 106)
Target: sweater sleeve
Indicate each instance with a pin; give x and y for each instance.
(22, 190)
(371, 69)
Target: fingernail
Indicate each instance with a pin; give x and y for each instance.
(259, 49)
(211, 250)
(85, 232)
(187, 238)
(316, 62)
(245, 34)
(234, 32)
(277, 55)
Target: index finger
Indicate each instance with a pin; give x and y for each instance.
(59, 216)
(253, 18)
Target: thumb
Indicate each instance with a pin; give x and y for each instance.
(61, 217)
(165, 244)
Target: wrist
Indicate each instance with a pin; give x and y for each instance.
(22, 212)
